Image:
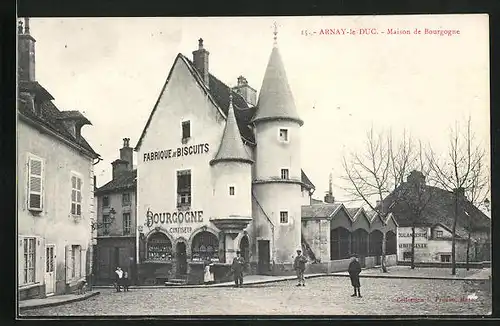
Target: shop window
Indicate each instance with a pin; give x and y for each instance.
(127, 223)
(126, 199)
(159, 247)
(284, 174)
(29, 260)
(407, 255)
(186, 130)
(205, 247)
(445, 258)
(184, 188)
(283, 217)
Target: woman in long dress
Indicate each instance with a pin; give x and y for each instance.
(208, 277)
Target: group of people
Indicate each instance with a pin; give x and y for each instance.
(237, 268)
(121, 280)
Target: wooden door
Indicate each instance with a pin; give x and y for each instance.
(264, 257)
(50, 272)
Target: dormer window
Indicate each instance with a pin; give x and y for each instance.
(186, 130)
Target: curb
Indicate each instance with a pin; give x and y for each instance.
(221, 285)
(59, 303)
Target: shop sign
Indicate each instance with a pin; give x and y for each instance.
(176, 152)
(417, 245)
(173, 217)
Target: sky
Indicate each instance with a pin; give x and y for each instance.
(112, 70)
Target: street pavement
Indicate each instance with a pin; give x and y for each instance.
(321, 296)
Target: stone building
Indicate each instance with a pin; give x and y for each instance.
(55, 186)
(433, 229)
(116, 220)
(218, 172)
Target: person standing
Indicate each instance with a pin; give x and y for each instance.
(354, 270)
(208, 276)
(119, 276)
(237, 268)
(125, 282)
(299, 264)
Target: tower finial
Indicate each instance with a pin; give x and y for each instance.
(230, 97)
(275, 34)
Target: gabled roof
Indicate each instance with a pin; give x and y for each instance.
(219, 95)
(305, 180)
(439, 209)
(324, 210)
(275, 96)
(74, 115)
(125, 180)
(231, 147)
(49, 116)
(315, 201)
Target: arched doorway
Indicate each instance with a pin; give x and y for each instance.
(376, 239)
(159, 247)
(339, 243)
(359, 243)
(205, 246)
(245, 250)
(181, 259)
(391, 243)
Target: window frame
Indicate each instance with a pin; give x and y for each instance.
(287, 140)
(76, 261)
(78, 176)
(188, 194)
(27, 267)
(439, 234)
(407, 254)
(183, 123)
(286, 215)
(107, 203)
(106, 223)
(448, 258)
(287, 170)
(126, 203)
(127, 223)
(41, 193)
(233, 188)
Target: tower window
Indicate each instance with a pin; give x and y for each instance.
(283, 136)
(284, 174)
(184, 188)
(231, 191)
(186, 129)
(283, 217)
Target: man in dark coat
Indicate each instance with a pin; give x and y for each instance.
(354, 270)
(299, 264)
(237, 268)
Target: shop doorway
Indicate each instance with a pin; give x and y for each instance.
(181, 259)
(264, 257)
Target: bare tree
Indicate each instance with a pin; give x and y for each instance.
(377, 172)
(457, 171)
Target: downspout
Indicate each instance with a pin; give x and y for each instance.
(268, 219)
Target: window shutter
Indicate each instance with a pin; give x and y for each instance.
(21, 260)
(35, 184)
(67, 254)
(82, 262)
(40, 259)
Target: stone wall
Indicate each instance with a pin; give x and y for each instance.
(33, 292)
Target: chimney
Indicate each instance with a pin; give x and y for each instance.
(26, 52)
(119, 166)
(200, 60)
(329, 195)
(248, 93)
(127, 154)
(416, 177)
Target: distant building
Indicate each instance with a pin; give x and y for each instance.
(55, 186)
(116, 220)
(434, 231)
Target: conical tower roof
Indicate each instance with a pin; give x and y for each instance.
(231, 147)
(275, 97)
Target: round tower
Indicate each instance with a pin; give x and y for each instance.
(232, 175)
(277, 181)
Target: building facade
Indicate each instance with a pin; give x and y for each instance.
(55, 186)
(433, 227)
(218, 172)
(116, 220)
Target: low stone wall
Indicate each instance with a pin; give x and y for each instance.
(473, 265)
(282, 269)
(33, 292)
(391, 260)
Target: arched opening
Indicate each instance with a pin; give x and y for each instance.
(159, 247)
(205, 246)
(376, 239)
(359, 242)
(391, 243)
(245, 250)
(339, 243)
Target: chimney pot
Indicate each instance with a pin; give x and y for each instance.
(126, 142)
(26, 25)
(20, 27)
(200, 44)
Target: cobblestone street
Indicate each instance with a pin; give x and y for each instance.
(321, 296)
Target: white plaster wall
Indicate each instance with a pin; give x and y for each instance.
(55, 224)
(224, 175)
